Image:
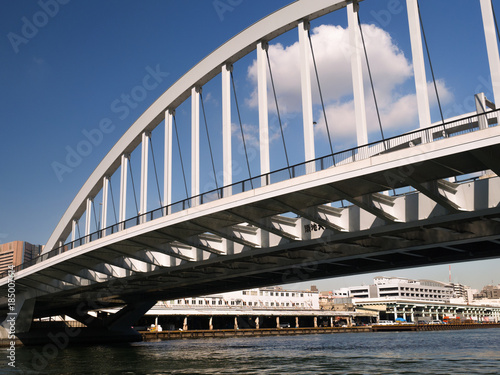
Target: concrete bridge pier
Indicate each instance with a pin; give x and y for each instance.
(18, 320)
(116, 328)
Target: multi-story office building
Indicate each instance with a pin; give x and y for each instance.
(17, 252)
(489, 292)
(402, 288)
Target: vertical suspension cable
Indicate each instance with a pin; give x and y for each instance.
(278, 112)
(371, 83)
(241, 129)
(156, 174)
(209, 144)
(113, 201)
(430, 62)
(320, 94)
(133, 187)
(95, 217)
(180, 155)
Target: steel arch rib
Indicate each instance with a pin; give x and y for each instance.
(240, 45)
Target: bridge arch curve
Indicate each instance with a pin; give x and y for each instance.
(234, 49)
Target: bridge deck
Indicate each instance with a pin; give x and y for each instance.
(375, 237)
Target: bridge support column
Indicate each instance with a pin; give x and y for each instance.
(210, 324)
(88, 216)
(167, 186)
(123, 189)
(492, 47)
(143, 206)
(18, 322)
(226, 128)
(424, 112)
(104, 208)
(265, 165)
(331, 321)
(277, 322)
(296, 322)
(74, 223)
(357, 73)
(257, 323)
(305, 79)
(185, 324)
(195, 144)
(114, 328)
(315, 322)
(236, 322)
(481, 107)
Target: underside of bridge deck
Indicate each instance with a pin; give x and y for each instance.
(450, 231)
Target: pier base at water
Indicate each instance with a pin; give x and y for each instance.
(63, 338)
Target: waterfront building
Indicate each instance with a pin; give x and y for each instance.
(463, 292)
(251, 308)
(413, 300)
(273, 297)
(17, 252)
(489, 292)
(426, 311)
(399, 287)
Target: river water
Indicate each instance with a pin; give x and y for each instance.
(441, 352)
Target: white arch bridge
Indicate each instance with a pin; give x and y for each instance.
(425, 197)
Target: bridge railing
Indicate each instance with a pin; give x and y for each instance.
(434, 133)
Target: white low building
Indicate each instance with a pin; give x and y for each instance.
(272, 298)
(402, 288)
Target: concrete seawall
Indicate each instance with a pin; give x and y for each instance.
(194, 334)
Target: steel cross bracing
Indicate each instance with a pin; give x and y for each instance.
(273, 229)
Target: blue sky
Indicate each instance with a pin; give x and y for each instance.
(60, 79)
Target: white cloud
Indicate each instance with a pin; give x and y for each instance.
(391, 71)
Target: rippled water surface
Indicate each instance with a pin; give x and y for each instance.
(446, 352)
